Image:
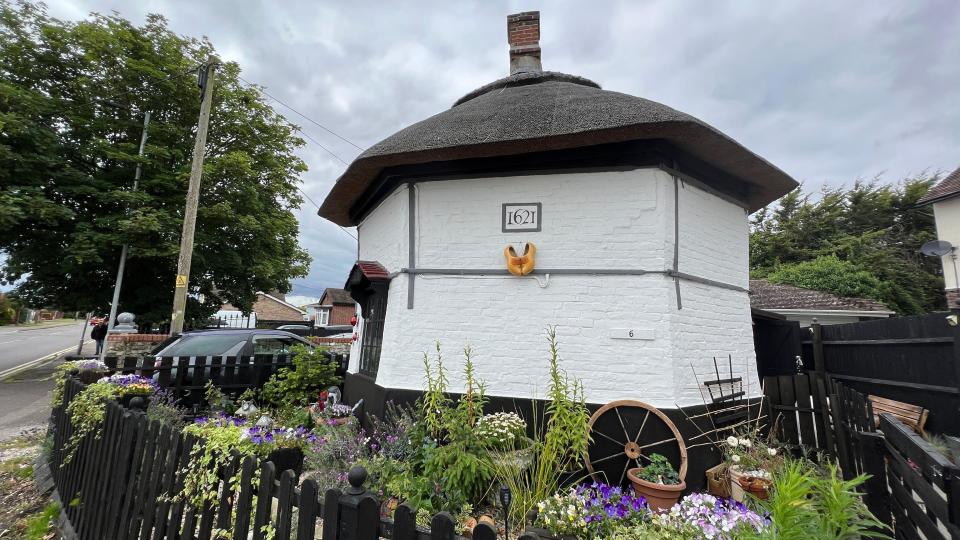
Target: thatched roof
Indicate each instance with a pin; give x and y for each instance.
(543, 111)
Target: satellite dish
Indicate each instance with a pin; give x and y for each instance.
(936, 248)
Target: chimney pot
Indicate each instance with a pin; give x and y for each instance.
(523, 35)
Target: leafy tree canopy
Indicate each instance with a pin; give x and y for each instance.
(72, 100)
(863, 241)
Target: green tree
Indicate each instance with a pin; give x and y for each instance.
(72, 99)
(864, 239)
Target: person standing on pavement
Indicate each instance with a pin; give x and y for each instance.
(98, 334)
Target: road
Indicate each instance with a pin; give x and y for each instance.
(23, 344)
(25, 396)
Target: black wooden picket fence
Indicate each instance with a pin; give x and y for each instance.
(912, 487)
(115, 487)
(186, 377)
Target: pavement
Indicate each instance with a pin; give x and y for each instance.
(25, 395)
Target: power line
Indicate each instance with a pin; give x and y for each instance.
(318, 207)
(260, 89)
(314, 141)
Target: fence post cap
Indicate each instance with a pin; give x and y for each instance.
(356, 477)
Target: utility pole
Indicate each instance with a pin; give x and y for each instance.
(193, 196)
(83, 333)
(123, 250)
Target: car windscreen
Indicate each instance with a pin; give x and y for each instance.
(209, 345)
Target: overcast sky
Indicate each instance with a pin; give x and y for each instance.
(827, 91)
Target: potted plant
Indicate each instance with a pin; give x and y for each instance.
(658, 482)
(285, 445)
(504, 435)
(90, 371)
(750, 462)
(337, 414)
(133, 386)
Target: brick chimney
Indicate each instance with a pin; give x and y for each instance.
(523, 34)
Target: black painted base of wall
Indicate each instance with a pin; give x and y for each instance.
(700, 456)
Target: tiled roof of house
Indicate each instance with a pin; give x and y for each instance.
(338, 296)
(772, 296)
(948, 187)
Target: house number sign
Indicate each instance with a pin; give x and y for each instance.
(521, 217)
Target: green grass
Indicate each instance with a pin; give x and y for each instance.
(38, 525)
(21, 467)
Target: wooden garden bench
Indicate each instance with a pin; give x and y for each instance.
(914, 416)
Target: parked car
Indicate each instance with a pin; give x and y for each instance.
(293, 327)
(229, 342)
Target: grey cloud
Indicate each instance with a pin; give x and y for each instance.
(828, 91)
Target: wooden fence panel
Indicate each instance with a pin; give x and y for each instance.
(129, 479)
(910, 359)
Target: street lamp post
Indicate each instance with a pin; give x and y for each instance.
(123, 250)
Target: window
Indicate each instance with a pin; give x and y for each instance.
(272, 345)
(374, 310)
(323, 317)
(206, 345)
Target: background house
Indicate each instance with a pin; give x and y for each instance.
(335, 308)
(803, 305)
(267, 307)
(945, 198)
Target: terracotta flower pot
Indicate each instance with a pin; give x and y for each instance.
(742, 483)
(659, 496)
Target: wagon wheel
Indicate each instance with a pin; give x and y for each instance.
(623, 435)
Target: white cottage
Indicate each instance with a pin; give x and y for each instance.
(639, 217)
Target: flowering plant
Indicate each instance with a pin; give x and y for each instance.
(712, 517)
(502, 431)
(338, 410)
(89, 365)
(131, 385)
(750, 453)
(591, 511)
(298, 437)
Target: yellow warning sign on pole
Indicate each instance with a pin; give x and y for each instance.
(181, 281)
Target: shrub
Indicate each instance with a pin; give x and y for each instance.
(830, 274)
(301, 384)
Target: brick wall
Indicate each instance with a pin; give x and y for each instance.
(132, 344)
(622, 220)
(341, 314)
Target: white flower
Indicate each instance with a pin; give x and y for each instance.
(746, 443)
(735, 458)
(732, 441)
(772, 451)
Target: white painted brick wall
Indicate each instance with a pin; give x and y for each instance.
(590, 220)
(383, 234)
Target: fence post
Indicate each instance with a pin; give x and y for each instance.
(816, 332)
(953, 321)
(876, 497)
(359, 513)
